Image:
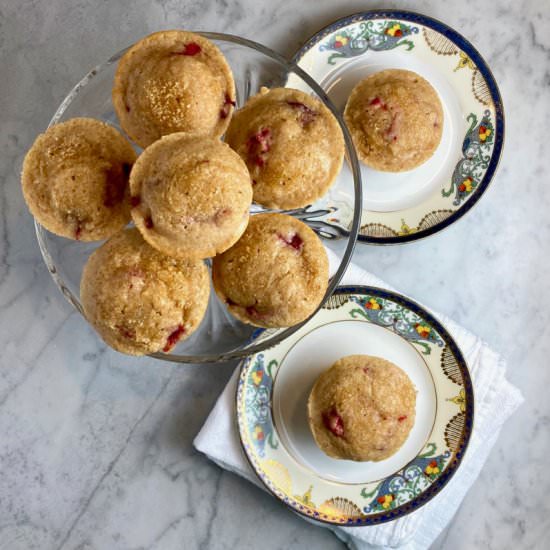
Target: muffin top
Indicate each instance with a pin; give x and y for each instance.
(139, 300)
(75, 179)
(276, 274)
(190, 195)
(292, 145)
(395, 118)
(362, 408)
(173, 81)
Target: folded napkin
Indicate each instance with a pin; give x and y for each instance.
(495, 400)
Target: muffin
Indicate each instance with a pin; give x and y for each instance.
(362, 408)
(139, 300)
(173, 81)
(75, 179)
(292, 145)
(190, 196)
(395, 119)
(276, 274)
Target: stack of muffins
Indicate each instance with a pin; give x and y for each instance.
(189, 196)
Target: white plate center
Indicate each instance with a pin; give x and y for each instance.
(316, 352)
(391, 191)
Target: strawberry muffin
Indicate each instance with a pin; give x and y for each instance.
(276, 275)
(395, 119)
(139, 300)
(190, 196)
(75, 179)
(292, 145)
(173, 81)
(362, 408)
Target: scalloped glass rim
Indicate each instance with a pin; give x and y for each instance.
(247, 348)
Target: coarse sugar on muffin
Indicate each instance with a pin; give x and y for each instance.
(395, 119)
(362, 408)
(139, 300)
(75, 179)
(292, 145)
(275, 275)
(191, 195)
(173, 81)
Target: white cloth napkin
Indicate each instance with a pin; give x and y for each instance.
(495, 400)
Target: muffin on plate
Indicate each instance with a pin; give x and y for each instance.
(362, 408)
(173, 81)
(395, 119)
(190, 195)
(276, 274)
(139, 300)
(292, 145)
(75, 179)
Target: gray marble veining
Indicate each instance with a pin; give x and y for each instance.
(95, 448)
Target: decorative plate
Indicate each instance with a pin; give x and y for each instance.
(405, 206)
(272, 398)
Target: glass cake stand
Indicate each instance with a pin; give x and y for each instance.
(220, 336)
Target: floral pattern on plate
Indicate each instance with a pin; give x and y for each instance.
(370, 35)
(372, 501)
(450, 183)
(476, 155)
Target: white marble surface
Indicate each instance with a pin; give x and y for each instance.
(95, 448)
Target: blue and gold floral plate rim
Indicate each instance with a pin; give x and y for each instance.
(475, 165)
(395, 495)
